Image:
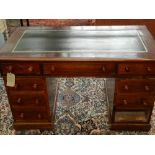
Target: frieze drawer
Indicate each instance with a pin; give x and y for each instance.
(146, 68)
(79, 69)
(21, 68)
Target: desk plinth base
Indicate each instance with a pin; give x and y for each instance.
(27, 126)
(130, 127)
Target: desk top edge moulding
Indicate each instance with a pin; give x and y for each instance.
(125, 55)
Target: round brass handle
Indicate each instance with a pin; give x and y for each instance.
(103, 69)
(37, 101)
(144, 103)
(125, 102)
(52, 68)
(16, 86)
(126, 68)
(39, 116)
(22, 115)
(148, 69)
(19, 100)
(10, 68)
(30, 69)
(147, 88)
(126, 87)
(35, 85)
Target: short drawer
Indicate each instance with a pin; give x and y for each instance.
(28, 100)
(30, 116)
(134, 101)
(28, 83)
(146, 68)
(79, 69)
(21, 68)
(135, 86)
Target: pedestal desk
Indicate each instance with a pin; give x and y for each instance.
(125, 55)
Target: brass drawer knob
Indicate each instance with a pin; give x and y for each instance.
(10, 68)
(39, 116)
(103, 69)
(147, 88)
(35, 85)
(30, 69)
(125, 102)
(126, 87)
(52, 68)
(144, 103)
(16, 86)
(19, 100)
(22, 115)
(37, 101)
(126, 68)
(148, 69)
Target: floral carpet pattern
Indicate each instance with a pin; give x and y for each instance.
(61, 22)
(82, 109)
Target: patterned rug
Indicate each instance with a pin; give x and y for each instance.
(81, 110)
(61, 22)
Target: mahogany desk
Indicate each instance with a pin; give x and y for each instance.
(125, 55)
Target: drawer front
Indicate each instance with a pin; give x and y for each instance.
(21, 68)
(129, 116)
(30, 83)
(24, 100)
(135, 86)
(134, 100)
(30, 116)
(79, 69)
(136, 69)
